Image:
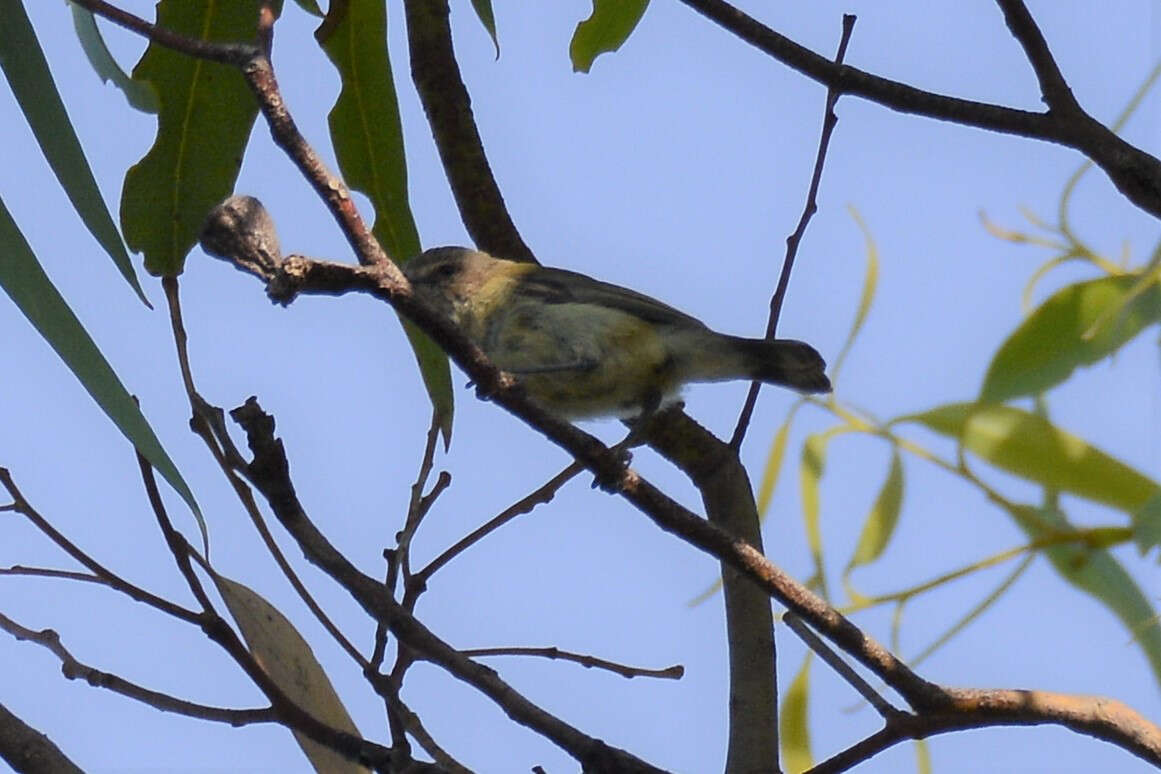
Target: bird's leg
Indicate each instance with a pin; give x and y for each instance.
(623, 449)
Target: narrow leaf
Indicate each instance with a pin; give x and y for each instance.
(1098, 574)
(1059, 337)
(368, 139)
(488, 19)
(1033, 448)
(205, 117)
(27, 72)
(794, 722)
(311, 7)
(870, 283)
(773, 468)
(25, 282)
(288, 660)
(609, 26)
(883, 518)
(139, 94)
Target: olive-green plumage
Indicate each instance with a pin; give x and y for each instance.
(586, 348)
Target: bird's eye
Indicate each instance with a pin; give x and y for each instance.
(444, 271)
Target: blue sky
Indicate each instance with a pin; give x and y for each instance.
(677, 167)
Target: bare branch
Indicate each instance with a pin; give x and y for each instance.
(270, 474)
(76, 670)
(24, 508)
(829, 121)
(28, 751)
(449, 113)
(1136, 174)
(674, 672)
(543, 494)
(1053, 88)
(881, 705)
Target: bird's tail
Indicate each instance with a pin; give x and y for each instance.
(787, 362)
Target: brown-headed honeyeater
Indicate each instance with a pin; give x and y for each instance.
(585, 348)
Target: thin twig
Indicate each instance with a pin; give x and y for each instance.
(542, 494)
(829, 121)
(76, 670)
(208, 424)
(1135, 173)
(23, 507)
(48, 572)
(881, 705)
(220, 632)
(675, 672)
(269, 473)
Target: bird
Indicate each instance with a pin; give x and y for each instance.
(584, 348)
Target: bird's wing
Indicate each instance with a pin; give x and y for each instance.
(560, 286)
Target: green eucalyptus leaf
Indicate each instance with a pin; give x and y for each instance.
(204, 122)
(1095, 572)
(1033, 448)
(27, 72)
(609, 26)
(139, 94)
(368, 137)
(1078, 325)
(25, 282)
(484, 13)
(883, 518)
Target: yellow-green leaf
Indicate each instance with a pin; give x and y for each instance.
(368, 139)
(773, 466)
(883, 518)
(794, 722)
(1059, 336)
(32, 84)
(205, 117)
(1097, 573)
(1033, 448)
(870, 283)
(25, 282)
(289, 661)
(606, 29)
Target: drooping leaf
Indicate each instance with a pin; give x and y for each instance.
(205, 119)
(1059, 336)
(27, 72)
(139, 94)
(794, 722)
(884, 516)
(609, 26)
(289, 661)
(1033, 448)
(488, 19)
(870, 283)
(368, 137)
(1096, 572)
(773, 467)
(25, 282)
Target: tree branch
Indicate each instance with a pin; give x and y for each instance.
(829, 121)
(29, 751)
(1136, 174)
(449, 113)
(270, 474)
